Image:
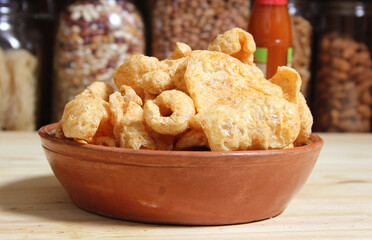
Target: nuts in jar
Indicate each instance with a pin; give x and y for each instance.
(344, 85)
(93, 39)
(302, 14)
(195, 22)
(302, 32)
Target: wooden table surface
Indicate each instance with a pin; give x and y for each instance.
(335, 203)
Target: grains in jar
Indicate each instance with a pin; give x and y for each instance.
(194, 22)
(301, 13)
(93, 39)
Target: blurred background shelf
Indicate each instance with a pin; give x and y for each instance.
(332, 43)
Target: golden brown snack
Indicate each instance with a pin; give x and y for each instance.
(178, 77)
(182, 50)
(214, 77)
(264, 122)
(171, 64)
(156, 82)
(179, 109)
(129, 125)
(237, 43)
(193, 138)
(94, 92)
(131, 71)
(155, 106)
(83, 116)
(162, 141)
(129, 94)
(290, 82)
(99, 89)
(306, 119)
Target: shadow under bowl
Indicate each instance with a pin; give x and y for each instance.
(179, 187)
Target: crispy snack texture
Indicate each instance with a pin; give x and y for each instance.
(213, 99)
(131, 72)
(236, 43)
(156, 82)
(174, 103)
(265, 122)
(99, 89)
(191, 139)
(129, 124)
(83, 116)
(182, 50)
(215, 77)
(290, 82)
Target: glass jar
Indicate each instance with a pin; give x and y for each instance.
(93, 39)
(302, 18)
(194, 22)
(343, 91)
(19, 66)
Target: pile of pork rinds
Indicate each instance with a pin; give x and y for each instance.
(215, 98)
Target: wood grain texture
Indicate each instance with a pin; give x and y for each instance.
(335, 203)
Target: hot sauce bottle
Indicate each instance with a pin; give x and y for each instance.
(270, 26)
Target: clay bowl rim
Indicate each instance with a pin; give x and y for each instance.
(49, 141)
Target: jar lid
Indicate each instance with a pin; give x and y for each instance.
(271, 2)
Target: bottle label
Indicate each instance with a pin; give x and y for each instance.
(260, 58)
(289, 57)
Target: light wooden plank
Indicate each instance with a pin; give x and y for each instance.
(335, 203)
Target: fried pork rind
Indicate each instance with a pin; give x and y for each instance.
(99, 89)
(306, 119)
(215, 77)
(178, 77)
(174, 103)
(129, 94)
(156, 82)
(129, 124)
(193, 138)
(237, 43)
(182, 50)
(171, 64)
(290, 82)
(162, 142)
(130, 73)
(237, 108)
(266, 122)
(83, 116)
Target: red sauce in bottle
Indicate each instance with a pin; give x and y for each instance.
(270, 26)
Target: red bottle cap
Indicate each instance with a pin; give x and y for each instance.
(271, 2)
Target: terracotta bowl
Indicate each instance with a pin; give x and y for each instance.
(179, 187)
